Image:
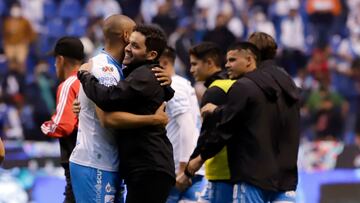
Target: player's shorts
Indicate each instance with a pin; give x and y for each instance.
(217, 192)
(247, 193)
(192, 194)
(95, 185)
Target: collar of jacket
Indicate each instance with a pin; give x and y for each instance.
(220, 75)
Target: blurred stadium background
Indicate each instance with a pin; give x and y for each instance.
(319, 45)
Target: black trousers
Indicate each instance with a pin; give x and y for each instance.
(149, 187)
(68, 193)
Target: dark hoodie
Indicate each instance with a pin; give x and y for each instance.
(260, 125)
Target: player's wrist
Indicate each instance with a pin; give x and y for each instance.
(189, 173)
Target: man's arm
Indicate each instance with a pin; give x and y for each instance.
(125, 120)
(216, 96)
(237, 99)
(107, 98)
(187, 135)
(64, 121)
(187, 143)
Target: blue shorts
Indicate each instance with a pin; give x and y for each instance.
(191, 194)
(95, 185)
(217, 192)
(247, 193)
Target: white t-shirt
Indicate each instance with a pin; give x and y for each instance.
(96, 146)
(184, 124)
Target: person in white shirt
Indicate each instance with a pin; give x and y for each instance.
(183, 128)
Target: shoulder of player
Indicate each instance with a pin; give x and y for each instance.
(70, 83)
(101, 63)
(180, 82)
(215, 90)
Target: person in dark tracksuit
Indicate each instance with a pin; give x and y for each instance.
(261, 111)
(147, 163)
(288, 144)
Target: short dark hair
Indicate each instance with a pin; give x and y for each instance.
(169, 53)
(246, 46)
(206, 50)
(155, 38)
(265, 43)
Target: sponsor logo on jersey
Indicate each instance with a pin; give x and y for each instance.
(107, 69)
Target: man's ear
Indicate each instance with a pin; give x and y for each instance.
(126, 36)
(60, 59)
(151, 55)
(249, 60)
(209, 62)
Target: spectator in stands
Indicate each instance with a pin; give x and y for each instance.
(318, 65)
(185, 40)
(349, 48)
(166, 17)
(328, 121)
(221, 35)
(327, 109)
(293, 41)
(40, 96)
(103, 8)
(322, 14)
(258, 22)
(18, 34)
(33, 11)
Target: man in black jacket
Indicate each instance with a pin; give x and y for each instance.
(146, 153)
(255, 122)
(290, 136)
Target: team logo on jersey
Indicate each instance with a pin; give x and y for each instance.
(107, 69)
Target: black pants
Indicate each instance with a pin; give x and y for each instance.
(149, 187)
(69, 195)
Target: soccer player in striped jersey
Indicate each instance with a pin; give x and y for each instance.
(69, 53)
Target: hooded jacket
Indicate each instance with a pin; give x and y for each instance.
(260, 125)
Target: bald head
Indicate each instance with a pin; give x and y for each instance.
(117, 26)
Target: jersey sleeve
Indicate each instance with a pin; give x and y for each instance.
(64, 121)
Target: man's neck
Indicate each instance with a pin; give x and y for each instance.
(116, 51)
(70, 71)
(214, 70)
